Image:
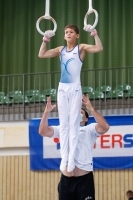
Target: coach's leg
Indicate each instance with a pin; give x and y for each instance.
(86, 189)
(67, 189)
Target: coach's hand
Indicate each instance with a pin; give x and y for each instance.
(87, 103)
(49, 106)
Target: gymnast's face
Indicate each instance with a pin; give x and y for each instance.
(70, 35)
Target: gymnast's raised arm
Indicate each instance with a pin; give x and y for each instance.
(44, 53)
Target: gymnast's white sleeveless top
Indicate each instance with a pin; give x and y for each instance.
(71, 64)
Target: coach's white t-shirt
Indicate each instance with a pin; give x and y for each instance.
(87, 138)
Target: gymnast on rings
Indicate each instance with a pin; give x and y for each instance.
(69, 90)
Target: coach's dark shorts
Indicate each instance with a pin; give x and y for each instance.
(77, 188)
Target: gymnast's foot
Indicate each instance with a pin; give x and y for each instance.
(71, 165)
(63, 165)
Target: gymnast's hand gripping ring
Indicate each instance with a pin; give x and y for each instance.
(91, 10)
(48, 17)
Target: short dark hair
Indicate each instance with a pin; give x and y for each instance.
(129, 193)
(72, 26)
(87, 115)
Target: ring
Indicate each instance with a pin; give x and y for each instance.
(48, 18)
(96, 18)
